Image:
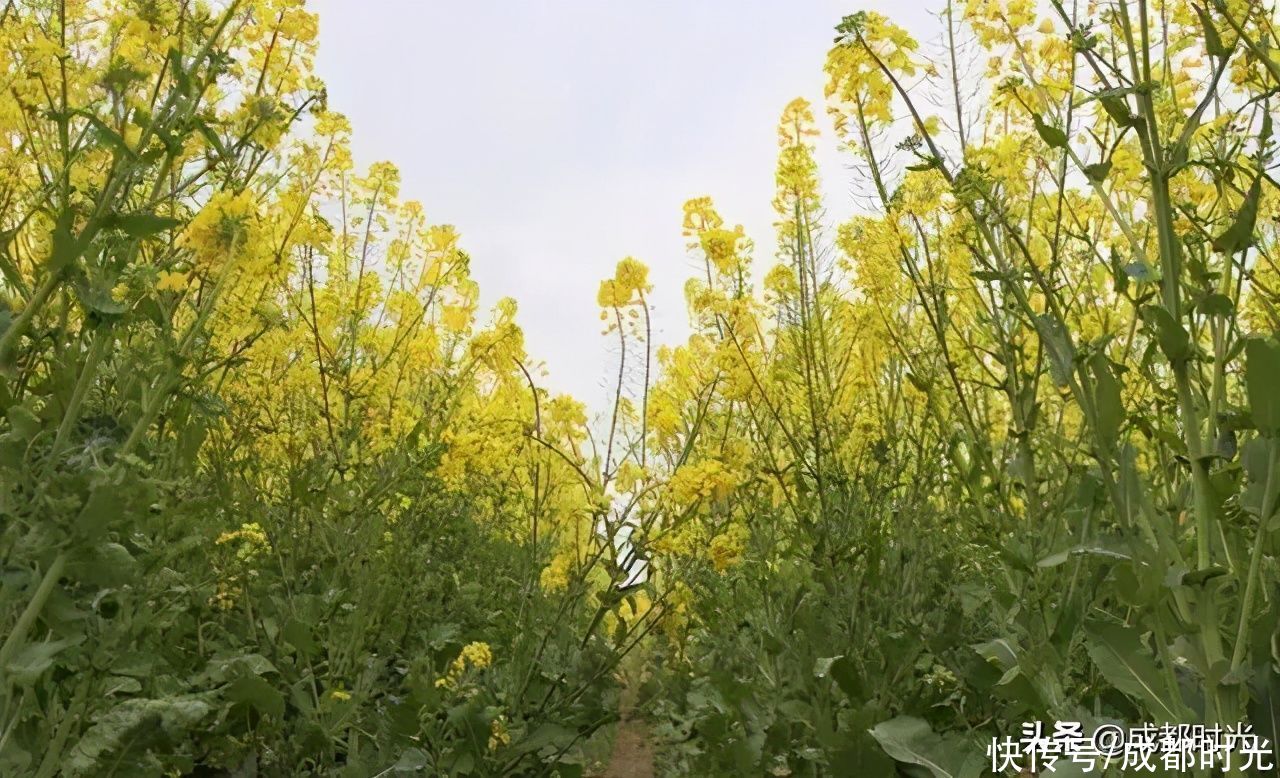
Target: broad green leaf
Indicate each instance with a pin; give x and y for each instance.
(226, 668)
(1055, 559)
(106, 564)
(1058, 343)
(1097, 172)
(1119, 655)
(23, 422)
(1120, 278)
(411, 761)
(104, 507)
(1106, 395)
(859, 755)
(98, 297)
(66, 249)
(1118, 110)
(1216, 304)
(298, 635)
(121, 684)
(141, 225)
(846, 675)
(822, 666)
(546, 734)
(999, 652)
(1212, 40)
(108, 135)
(26, 667)
(1264, 706)
(1239, 235)
(113, 731)
(1173, 338)
(911, 740)
(257, 693)
(1056, 138)
(1262, 381)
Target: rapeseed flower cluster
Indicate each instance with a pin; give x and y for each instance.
(251, 539)
(476, 656)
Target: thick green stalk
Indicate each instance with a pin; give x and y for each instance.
(1255, 557)
(101, 338)
(28, 618)
(18, 327)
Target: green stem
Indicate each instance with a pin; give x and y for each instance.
(1255, 558)
(19, 325)
(96, 351)
(28, 617)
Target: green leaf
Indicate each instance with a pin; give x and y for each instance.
(140, 225)
(104, 565)
(846, 675)
(23, 422)
(546, 734)
(298, 635)
(1212, 40)
(107, 134)
(258, 694)
(1173, 338)
(1264, 706)
(1239, 235)
(209, 135)
(999, 652)
(1106, 393)
(1262, 382)
(1058, 343)
(822, 666)
(1056, 138)
(411, 761)
(104, 507)
(929, 163)
(1055, 559)
(98, 297)
(181, 78)
(911, 740)
(1097, 172)
(115, 730)
(1118, 110)
(1216, 304)
(65, 247)
(121, 684)
(225, 668)
(859, 755)
(991, 275)
(29, 664)
(1119, 655)
(1118, 275)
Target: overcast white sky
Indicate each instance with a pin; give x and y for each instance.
(562, 135)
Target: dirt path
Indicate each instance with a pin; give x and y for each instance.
(632, 752)
(632, 755)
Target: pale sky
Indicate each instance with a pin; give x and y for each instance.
(560, 136)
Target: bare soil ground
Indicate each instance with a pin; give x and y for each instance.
(632, 751)
(632, 755)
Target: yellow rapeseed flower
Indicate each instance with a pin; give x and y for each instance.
(172, 282)
(476, 654)
(252, 540)
(727, 548)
